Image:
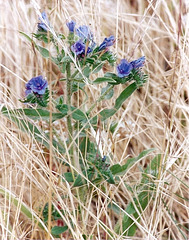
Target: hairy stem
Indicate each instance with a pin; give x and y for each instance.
(69, 120)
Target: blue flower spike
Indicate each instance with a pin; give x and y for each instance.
(36, 85)
(79, 48)
(138, 63)
(41, 25)
(124, 68)
(107, 43)
(71, 25)
(84, 32)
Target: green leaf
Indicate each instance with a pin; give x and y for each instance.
(78, 181)
(44, 52)
(97, 68)
(103, 79)
(113, 127)
(78, 86)
(35, 114)
(63, 108)
(106, 113)
(114, 208)
(110, 94)
(62, 79)
(66, 59)
(60, 100)
(86, 71)
(68, 176)
(77, 114)
(90, 60)
(58, 230)
(109, 56)
(111, 178)
(27, 211)
(41, 36)
(141, 203)
(26, 36)
(33, 131)
(153, 168)
(125, 94)
(110, 75)
(117, 169)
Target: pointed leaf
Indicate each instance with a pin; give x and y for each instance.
(97, 68)
(35, 114)
(68, 176)
(26, 36)
(58, 230)
(110, 94)
(104, 79)
(106, 113)
(117, 169)
(78, 115)
(78, 182)
(124, 95)
(35, 132)
(44, 52)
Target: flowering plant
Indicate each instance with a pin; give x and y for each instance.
(78, 64)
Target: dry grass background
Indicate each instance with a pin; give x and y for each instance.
(156, 116)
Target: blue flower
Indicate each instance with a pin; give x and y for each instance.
(84, 33)
(124, 68)
(107, 42)
(138, 63)
(41, 25)
(71, 25)
(36, 85)
(79, 48)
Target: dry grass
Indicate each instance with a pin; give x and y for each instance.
(156, 116)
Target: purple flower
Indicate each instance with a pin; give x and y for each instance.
(124, 68)
(84, 33)
(79, 48)
(138, 63)
(36, 85)
(41, 25)
(71, 25)
(107, 42)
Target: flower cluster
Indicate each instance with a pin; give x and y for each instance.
(36, 85)
(82, 46)
(124, 68)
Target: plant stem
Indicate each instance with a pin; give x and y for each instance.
(69, 120)
(100, 98)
